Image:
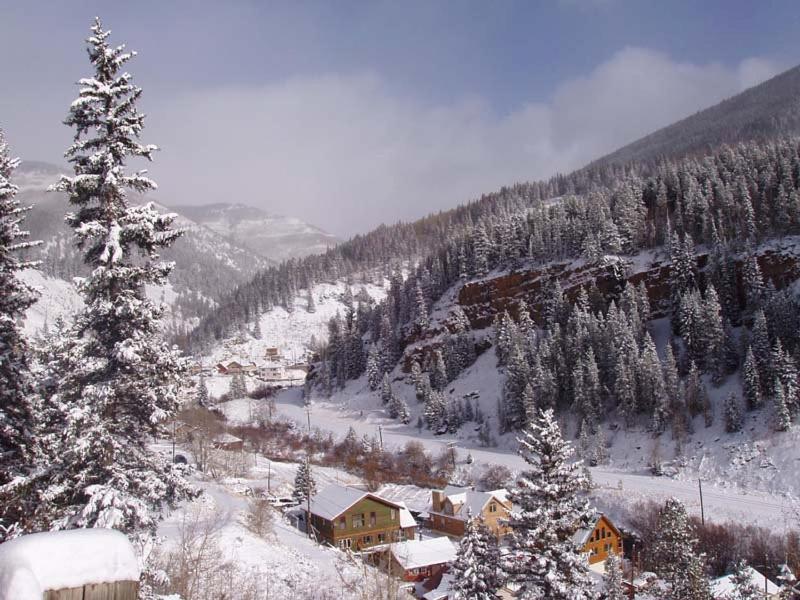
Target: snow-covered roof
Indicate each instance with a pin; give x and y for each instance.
(582, 535)
(414, 554)
(723, 587)
(414, 497)
(469, 501)
(406, 518)
(442, 591)
(34, 563)
(227, 438)
(335, 499)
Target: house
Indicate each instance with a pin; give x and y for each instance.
(418, 560)
(723, 587)
(272, 354)
(233, 368)
(450, 507)
(226, 441)
(250, 369)
(351, 518)
(221, 368)
(273, 372)
(599, 540)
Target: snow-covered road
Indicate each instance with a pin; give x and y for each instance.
(624, 488)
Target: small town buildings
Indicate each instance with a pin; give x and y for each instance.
(724, 589)
(226, 441)
(450, 507)
(350, 518)
(599, 540)
(418, 560)
(272, 354)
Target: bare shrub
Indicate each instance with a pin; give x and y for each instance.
(260, 517)
(495, 477)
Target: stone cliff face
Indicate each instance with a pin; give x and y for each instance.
(483, 300)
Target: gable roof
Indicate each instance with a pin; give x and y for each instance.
(336, 499)
(467, 501)
(414, 554)
(582, 535)
(723, 587)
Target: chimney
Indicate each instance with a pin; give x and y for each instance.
(437, 497)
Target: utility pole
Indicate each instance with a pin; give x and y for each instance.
(702, 509)
(173, 440)
(308, 497)
(380, 436)
(269, 477)
(308, 414)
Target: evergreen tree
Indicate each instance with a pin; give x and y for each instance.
(386, 389)
(674, 556)
(751, 382)
(733, 414)
(613, 579)
(257, 328)
(548, 509)
(475, 571)
(439, 373)
(311, 307)
(781, 419)
(18, 419)
(373, 369)
(744, 588)
(116, 379)
(304, 484)
(202, 392)
(434, 411)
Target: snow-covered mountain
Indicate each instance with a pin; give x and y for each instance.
(275, 237)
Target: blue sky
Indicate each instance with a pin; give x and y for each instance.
(347, 114)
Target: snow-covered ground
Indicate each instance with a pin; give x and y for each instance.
(292, 332)
(57, 298)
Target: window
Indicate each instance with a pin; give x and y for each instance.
(342, 522)
(372, 519)
(606, 547)
(345, 543)
(358, 520)
(492, 507)
(396, 535)
(381, 538)
(367, 541)
(393, 514)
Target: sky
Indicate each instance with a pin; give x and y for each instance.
(349, 114)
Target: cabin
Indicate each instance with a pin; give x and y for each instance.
(349, 518)
(419, 560)
(599, 540)
(272, 354)
(65, 565)
(723, 588)
(221, 368)
(451, 506)
(226, 441)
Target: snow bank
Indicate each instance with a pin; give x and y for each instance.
(64, 559)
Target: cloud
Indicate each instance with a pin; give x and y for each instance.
(347, 152)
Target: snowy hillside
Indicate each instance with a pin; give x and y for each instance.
(57, 298)
(275, 237)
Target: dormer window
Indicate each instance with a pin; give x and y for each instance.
(492, 507)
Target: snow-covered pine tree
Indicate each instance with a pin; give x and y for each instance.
(751, 382)
(116, 378)
(548, 510)
(386, 389)
(373, 369)
(744, 588)
(311, 307)
(434, 411)
(304, 484)
(733, 414)
(673, 555)
(18, 420)
(439, 371)
(475, 572)
(781, 419)
(613, 579)
(257, 328)
(202, 392)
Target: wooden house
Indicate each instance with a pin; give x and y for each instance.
(272, 354)
(351, 518)
(226, 441)
(419, 560)
(233, 368)
(450, 507)
(599, 540)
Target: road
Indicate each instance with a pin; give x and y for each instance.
(769, 510)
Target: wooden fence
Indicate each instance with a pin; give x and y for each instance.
(119, 590)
